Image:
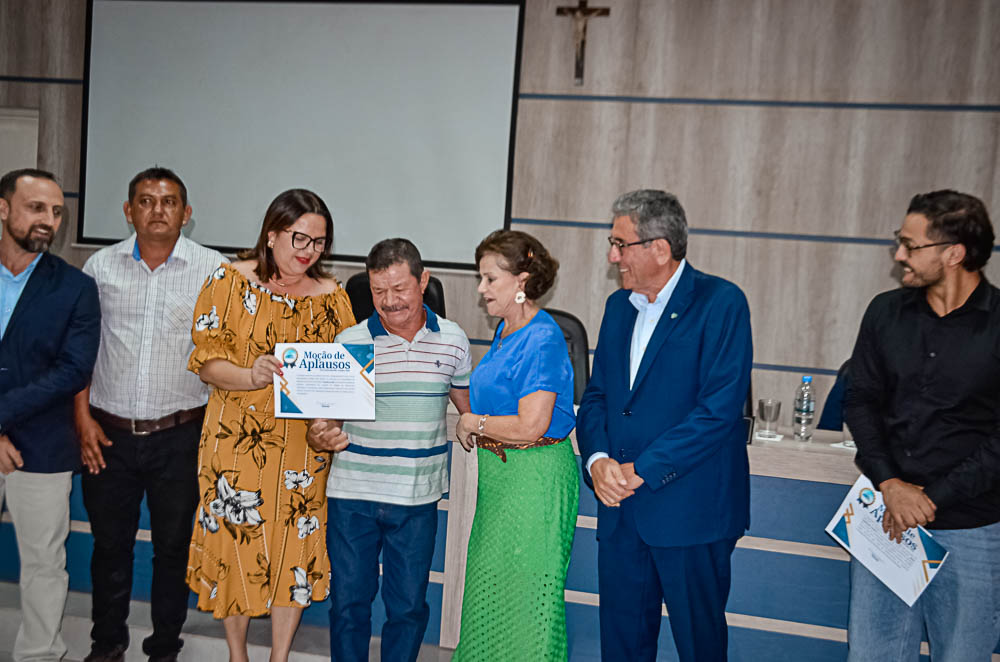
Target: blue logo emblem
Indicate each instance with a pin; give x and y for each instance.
(289, 357)
(867, 496)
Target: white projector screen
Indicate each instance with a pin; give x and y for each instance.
(400, 116)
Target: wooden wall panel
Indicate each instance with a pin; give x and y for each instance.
(569, 159)
(882, 51)
(42, 38)
(59, 112)
(796, 170)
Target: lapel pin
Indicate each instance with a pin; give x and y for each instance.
(673, 316)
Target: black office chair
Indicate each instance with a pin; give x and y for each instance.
(579, 350)
(360, 294)
(832, 417)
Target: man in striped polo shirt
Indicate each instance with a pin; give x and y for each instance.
(387, 475)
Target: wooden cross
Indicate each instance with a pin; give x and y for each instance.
(581, 14)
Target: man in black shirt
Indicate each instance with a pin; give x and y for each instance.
(924, 406)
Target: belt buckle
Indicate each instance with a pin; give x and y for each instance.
(139, 433)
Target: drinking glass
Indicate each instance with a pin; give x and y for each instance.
(768, 411)
(848, 438)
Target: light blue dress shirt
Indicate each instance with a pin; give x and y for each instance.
(11, 287)
(645, 323)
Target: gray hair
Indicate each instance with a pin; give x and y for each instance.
(388, 252)
(657, 215)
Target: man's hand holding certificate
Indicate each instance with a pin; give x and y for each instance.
(905, 560)
(325, 380)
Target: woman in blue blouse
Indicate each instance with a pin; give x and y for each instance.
(522, 411)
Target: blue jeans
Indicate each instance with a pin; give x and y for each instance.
(960, 608)
(356, 532)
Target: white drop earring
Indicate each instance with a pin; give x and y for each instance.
(520, 297)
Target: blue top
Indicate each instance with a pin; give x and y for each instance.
(533, 358)
(11, 287)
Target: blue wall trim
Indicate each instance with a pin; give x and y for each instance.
(603, 225)
(41, 79)
(767, 103)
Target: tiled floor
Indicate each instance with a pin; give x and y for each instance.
(205, 641)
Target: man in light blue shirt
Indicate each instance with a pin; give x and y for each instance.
(11, 287)
(50, 323)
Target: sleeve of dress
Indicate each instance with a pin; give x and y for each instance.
(338, 314)
(544, 365)
(213, 338)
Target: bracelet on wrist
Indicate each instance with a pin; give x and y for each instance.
(482, 422)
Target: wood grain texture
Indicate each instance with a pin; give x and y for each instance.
(789, 170)
(883, 51)
(42, 38)
(461, 510)
(59, 114)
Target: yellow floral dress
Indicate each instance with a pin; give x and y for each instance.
(260, 538)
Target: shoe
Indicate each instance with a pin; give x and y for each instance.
(116, 654)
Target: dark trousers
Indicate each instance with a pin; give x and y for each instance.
(164, 467)
(635, 579)
(357, 531)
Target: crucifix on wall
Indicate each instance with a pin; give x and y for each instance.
(580, 15)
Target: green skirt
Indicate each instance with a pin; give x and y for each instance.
(514, 607)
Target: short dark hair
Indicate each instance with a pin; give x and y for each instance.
(157, 173)
(522, 253)
(959, 218)
(283, 211)
(388, 252)
(656, 215)
(8, 183)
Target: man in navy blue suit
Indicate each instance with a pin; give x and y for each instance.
(660, 429)
(50, 325)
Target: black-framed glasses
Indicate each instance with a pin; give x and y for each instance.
(300, 240)
(909, 249)
(622, 245)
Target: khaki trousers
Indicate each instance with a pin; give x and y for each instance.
(39, 505)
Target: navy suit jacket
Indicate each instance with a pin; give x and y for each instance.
(681, 423)
(47, 355)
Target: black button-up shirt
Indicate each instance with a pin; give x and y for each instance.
(924, 401)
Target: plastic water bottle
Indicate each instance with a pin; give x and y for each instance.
(805, 408)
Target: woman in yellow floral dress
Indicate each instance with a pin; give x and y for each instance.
(259, 543)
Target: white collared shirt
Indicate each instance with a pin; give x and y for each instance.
(146, 315)
(645, 323)
(647, 319)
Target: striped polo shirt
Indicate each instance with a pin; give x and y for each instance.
(402, 456)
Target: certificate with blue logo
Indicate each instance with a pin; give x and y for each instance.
(906, 567)
(325, 380)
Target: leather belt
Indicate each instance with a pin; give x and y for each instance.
(499, 448)
(143, 428)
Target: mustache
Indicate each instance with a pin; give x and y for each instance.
(36, 244)
(394, 309)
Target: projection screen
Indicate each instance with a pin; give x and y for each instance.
(401, 116)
